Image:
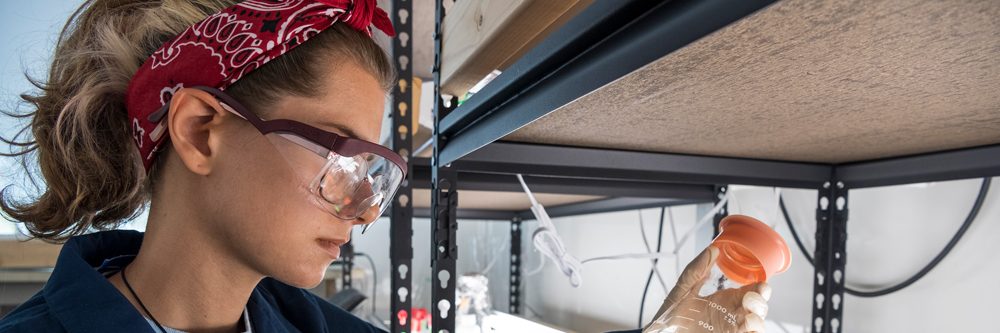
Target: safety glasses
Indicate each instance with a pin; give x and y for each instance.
(352, 178)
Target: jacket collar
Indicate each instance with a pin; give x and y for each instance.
(83, 300)
(80, 297)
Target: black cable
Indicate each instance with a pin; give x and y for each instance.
(795, 235)
(659, 241)
(983, 191)
(374, 276)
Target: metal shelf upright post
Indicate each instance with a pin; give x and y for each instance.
(444, 203)
(401, 214)
(515, 265)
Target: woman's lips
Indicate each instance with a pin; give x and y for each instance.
(331, 246)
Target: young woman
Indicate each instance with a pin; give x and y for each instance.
(248, 128)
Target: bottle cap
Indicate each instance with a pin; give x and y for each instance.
(749, 250)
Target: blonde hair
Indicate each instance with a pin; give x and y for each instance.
(79, 126)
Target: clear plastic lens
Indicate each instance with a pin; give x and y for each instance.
(357, 186)
(349, 187)
(341, 179)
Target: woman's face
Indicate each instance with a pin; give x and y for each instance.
(269, 218)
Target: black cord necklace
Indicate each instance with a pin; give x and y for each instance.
(140, 302)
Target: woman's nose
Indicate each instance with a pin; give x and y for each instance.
(368, 217)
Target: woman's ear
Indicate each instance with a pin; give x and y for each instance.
(194, 122)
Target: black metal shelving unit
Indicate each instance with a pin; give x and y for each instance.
(401, 214)
(606, 41)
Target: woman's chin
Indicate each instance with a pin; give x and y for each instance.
(303, 279)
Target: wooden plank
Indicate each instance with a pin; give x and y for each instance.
(481, 36)
(33, 253)
(578, 7)
(809, 81)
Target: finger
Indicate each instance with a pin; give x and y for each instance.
(753, 323)
(698, 269)
(693, 276)
(761, 288)
(755, 303)
(764, 290)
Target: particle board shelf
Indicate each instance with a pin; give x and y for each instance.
(807, 81)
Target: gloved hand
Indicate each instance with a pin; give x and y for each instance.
(745, 307)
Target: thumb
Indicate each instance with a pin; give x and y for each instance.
(695, 274)
(693, 277)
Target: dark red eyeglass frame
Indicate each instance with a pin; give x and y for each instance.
(342, 145)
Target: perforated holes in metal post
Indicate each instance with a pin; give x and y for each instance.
(405, 153)
(403, 107)
(403, 84)
(401, 315)
(403, 15)
(443, 306)
(402, 292)
(403, 62)
(444, 276)
(402, 271)
(404, 38)
(403, 131)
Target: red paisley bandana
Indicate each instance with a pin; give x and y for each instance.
(227, 45)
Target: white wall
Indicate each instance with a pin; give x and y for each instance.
(893, 232)
(560, 304)
(491, 239)
(611, 291)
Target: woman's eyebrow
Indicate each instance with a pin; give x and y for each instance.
(343, 130)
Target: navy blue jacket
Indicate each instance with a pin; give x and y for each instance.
(78, 299)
